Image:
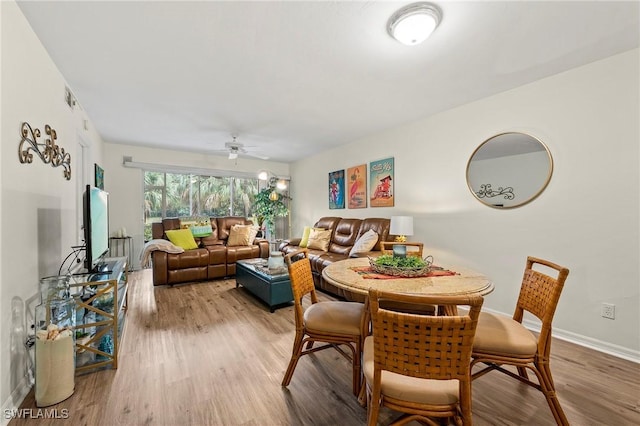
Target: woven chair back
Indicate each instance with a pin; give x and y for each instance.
(423, 346)
(301, 278)
(540, 293)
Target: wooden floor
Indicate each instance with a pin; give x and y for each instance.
(211, 354)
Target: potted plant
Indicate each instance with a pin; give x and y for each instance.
(268, 205)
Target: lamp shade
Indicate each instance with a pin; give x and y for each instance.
(401, 225)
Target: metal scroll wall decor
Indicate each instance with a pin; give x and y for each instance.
(487, 192)
(49, 152)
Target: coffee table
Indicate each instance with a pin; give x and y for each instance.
(272, 288)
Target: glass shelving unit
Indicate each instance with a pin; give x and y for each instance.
(101, 304)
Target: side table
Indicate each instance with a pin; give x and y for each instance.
(411, 249)
(124, 244)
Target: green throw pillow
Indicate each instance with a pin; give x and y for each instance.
(182, 238)
(201, 230)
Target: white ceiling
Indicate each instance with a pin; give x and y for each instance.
(294, 78)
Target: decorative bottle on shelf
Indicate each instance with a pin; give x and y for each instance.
(106, 345)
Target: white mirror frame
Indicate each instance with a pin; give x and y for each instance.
(490, 192)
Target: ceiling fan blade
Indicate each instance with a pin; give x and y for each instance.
(260, 156)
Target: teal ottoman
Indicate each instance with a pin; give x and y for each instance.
(274, 290)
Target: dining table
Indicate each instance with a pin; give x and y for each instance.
(353, 275)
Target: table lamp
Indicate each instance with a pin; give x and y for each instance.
(401, 226)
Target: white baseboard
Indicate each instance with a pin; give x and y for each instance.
(598, 345)
(15, 399)
(587, 342)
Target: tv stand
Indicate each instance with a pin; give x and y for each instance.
(94, 275)
(103, 268)
(101, 303)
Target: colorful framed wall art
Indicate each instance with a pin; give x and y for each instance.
(357, 187)
(99, 171)
(336, 189)
(381, 183)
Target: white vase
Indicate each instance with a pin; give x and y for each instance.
(276, 260)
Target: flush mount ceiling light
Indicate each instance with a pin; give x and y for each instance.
(414, 23)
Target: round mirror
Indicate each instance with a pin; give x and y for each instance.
(509, 170)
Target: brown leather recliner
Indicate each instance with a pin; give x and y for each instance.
(345, 232)
(212, 259)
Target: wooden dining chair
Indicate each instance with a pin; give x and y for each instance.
(420, 364)
(501, 341)
(335, 323)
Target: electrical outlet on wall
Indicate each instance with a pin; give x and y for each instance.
(609, 310)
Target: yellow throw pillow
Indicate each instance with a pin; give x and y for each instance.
(319, 239)
(305, 236)
(242, 235)
(182, 238)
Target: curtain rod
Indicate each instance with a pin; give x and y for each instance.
(191, 170)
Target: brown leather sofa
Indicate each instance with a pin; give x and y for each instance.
(212, 259)
(345, 232)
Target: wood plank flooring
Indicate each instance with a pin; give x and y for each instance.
(211, 354)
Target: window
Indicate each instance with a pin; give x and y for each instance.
(184, 195)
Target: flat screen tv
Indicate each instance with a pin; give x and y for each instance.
(96, 228)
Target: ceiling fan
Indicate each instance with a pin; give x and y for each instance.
(235, 149)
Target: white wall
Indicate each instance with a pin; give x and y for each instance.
(125, 185)
(39, 207)
(587, 219)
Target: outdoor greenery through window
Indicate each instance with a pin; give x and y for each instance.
(188, 195)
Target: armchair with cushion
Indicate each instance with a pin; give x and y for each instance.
(503, 341)
(419, 364)
(337, 324)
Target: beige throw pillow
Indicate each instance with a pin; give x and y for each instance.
(242, 235)
(365, 243)
(319, 239)
(253, 234)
